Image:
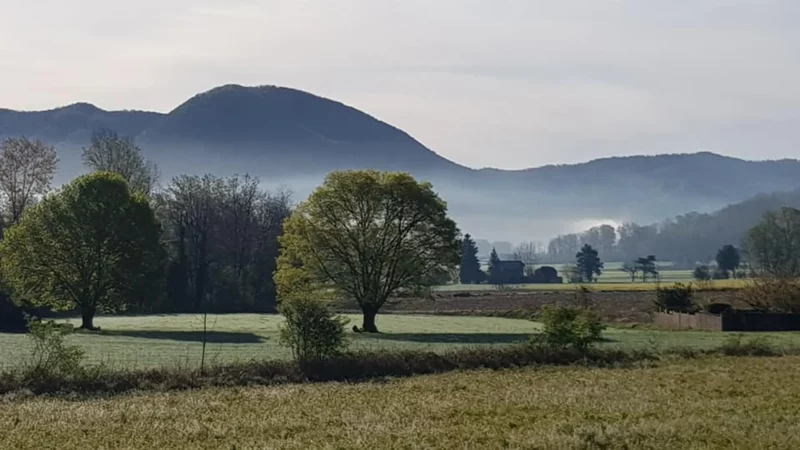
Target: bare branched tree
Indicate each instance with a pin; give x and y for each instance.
(110, 152)
(26, 170)
(223, 239)
(526, 252)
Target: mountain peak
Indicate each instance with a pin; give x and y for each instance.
(274, 113)
(81, 108)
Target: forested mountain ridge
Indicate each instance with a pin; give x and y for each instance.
(685, 239)
(293, 138)
(690, 173)
(74, 122)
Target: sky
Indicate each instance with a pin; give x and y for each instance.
(498, 83)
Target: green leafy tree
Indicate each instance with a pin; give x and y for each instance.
(310, 330)
(647, 267)
(367, 235)
(92, 246)
(589, 264)
(774, 244)
(728, 259)
(495, 272)
(470, 269)
(702, 273)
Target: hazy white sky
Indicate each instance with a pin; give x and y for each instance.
(499, 83)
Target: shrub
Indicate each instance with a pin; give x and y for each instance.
(720, 274)
(773, 295)
(702, 273)
(736, 346)
(569, 327)
(348, 366)
(311, 330)
(677, 298)
(50, 354)
(741, 274)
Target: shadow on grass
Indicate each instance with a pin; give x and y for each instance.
(453, 338)
(219, 337)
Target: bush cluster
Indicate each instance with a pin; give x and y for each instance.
(702, 273)
(566, 327)
(50, 354)
(676, 298)
(736, 346)
(311, 330)
(773, 295)
(347, 367)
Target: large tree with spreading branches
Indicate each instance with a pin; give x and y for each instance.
(93, 246)
(367, 235)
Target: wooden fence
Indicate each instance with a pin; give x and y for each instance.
(731, 321)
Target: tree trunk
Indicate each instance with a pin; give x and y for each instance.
(87, 319)
(368, 324)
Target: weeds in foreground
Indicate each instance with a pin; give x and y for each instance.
(50, 354)
(737, 345)
(350, 366)
(681, 405)
(73, 379)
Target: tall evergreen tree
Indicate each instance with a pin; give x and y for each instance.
(589, 264)
(470, 270)
(495, 275)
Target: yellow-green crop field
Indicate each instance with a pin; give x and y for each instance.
(704, 403)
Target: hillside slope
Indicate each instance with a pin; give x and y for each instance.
(691, 237)
(292, 138)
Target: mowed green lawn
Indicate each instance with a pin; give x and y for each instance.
(704, 403)
(175, 340)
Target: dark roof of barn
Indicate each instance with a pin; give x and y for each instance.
(512, 262)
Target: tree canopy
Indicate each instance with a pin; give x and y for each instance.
(367, 234)
(470, 269)
(92, 246)
(495, 273)
(774, 244)
(728, 259)
(222, 238)
(684, 240)
(589, 264)
(647, 266)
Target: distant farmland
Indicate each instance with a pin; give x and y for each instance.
(612, 279)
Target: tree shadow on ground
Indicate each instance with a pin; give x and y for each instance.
(219, 337)
(453, 338)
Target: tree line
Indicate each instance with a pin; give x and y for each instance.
(115, 240)
(684, 240)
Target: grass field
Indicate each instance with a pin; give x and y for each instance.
(175, 340)
(744, 403)
(612, 279)
(602, 286)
